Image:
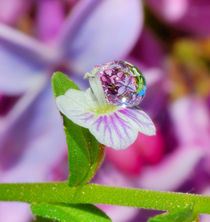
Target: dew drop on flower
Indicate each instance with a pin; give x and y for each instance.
(123, 84)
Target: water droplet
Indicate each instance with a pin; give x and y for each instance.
(123, 84)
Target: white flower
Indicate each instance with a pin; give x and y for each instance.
(115, 126)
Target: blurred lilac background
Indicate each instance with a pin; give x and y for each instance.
(169, 40)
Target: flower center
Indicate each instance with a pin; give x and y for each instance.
(108, 109)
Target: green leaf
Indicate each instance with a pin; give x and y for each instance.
(84, 151)
(67, 213)
(179, 215)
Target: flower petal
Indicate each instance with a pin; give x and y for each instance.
(34, 143)
(140, 120)
(49, 19)
(114, 131)
(35, 132)
(191, 121)
(149, 50)
(132, 166)
(21, 58)
(39, 134)
(99, 31)
(120, 129)
(11, 11)
(172, 172)
(186, 15)
(78, 106)
(114, 128)
(171, 10)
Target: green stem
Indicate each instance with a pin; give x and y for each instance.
(92, 193)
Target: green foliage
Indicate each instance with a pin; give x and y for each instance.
(67, 213)
(84, 151)
(179, 215)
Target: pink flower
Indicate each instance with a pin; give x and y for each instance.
(145, 150)
(190, 16)
(12, 10)
(49, 19)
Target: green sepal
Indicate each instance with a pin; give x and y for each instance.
(67, 213)
(85, 153)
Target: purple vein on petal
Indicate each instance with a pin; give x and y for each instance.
(107, 127)
(98, 122)
(84, 116)
(110, 130)
(115, 127)
(131, 115)
(123, 124)
(88, 117)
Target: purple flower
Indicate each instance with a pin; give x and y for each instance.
(182, 156)
(149, 50)
(126, 86)
(26, 65)
(11, 11)
(31, 134)
(113, 125)
(191, 126)
(49, 19)
(190, 16)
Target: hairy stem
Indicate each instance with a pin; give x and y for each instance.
(92, 193)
